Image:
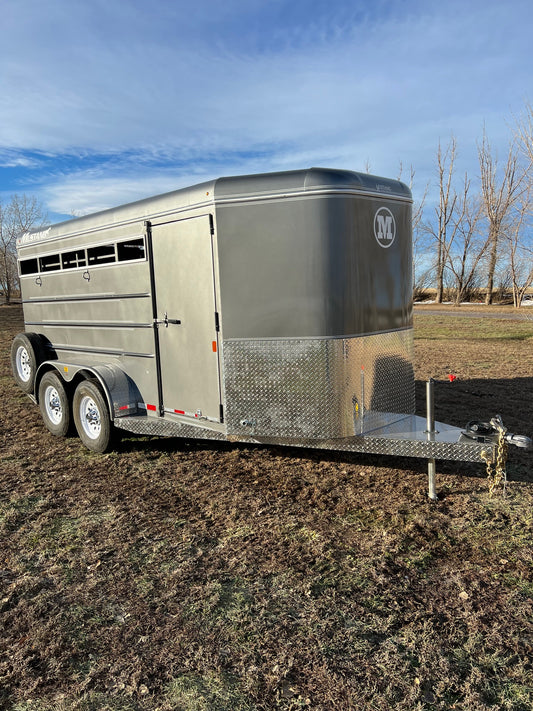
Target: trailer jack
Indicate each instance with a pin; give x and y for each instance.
(493, 433)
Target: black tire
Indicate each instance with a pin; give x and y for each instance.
(91, 416)
(54, 404)
(27, 354)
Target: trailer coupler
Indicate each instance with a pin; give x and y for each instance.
(490, 432)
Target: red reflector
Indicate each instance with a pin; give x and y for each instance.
(452, 378)
(179, 412)
(151, 407)
(124, 407)
(214, 346)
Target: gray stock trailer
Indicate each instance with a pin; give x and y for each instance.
(272, 308)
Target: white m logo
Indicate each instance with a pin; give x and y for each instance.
(384, 227)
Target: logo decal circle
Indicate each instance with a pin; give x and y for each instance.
(384, 227)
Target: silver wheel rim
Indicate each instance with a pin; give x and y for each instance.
(23, 364)
(90, 417)
(52, 405)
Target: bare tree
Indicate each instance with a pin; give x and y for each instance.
(418, 206)
(524, 132)
(520, 248)
(467, 248)
(500, 194)
(422, 270)
(17, 217)
(440, 230)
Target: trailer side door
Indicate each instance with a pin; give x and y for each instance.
(187, 318)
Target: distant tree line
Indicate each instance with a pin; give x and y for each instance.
(478, 242)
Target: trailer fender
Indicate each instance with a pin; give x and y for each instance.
(120, 392)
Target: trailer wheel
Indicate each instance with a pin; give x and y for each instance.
(54, 404)
(27, 353)
(91, 416)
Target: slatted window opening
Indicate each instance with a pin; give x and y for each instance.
(122, 251)
(29, 266)
(103, 254)
(73, 260)
(132, 249)
(50, 263)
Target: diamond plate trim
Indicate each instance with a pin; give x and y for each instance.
(165, 428)
(317, 388)
(452, 451)
(401, 446)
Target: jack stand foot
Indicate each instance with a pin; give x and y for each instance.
(432, 490)
(430, 420)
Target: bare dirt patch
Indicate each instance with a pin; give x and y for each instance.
(178, 575)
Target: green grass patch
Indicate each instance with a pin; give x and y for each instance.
(446, 328)
(213, 692)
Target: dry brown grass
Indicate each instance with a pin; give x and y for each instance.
(178, 575)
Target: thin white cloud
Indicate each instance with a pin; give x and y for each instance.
(79, 195)
(14, 159)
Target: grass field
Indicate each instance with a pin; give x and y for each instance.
(185, 576)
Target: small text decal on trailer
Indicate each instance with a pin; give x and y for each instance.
(384, 227)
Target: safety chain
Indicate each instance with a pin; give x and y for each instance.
(496, 472)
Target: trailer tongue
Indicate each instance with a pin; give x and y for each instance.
(271, 308)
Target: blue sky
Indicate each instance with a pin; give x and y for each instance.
(107, 101)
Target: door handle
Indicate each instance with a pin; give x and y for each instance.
(166, 320)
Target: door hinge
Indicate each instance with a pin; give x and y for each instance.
(211, 224)
(222, 413)
(217, 321)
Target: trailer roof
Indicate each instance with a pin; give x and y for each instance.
(311, 179)
(226, 189)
